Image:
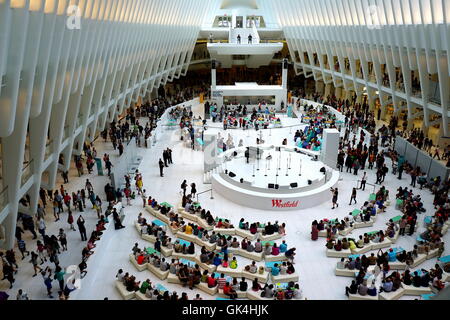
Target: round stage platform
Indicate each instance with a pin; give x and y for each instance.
(288, 178)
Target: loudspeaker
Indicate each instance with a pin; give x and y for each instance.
(278, 149)
(242, 180)
(277, 186)
(323, 170)
(309, 182)
(271, 186)
(235, 154)
(294, 185)
(232, 175)
(226, 171)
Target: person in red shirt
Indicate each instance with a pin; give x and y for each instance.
(140, 259)
(229, 291)
(211, 281)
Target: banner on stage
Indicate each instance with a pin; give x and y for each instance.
(281, 204)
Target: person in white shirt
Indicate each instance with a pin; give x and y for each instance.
(120, 275)
(22, 295)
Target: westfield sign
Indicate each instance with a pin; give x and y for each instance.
(281, 204)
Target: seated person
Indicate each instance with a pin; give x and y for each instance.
(275, 270)
(338, 246)
(341, 264)
(252, 268)
(211, 281)
(229, 291)
(360, 242)
(243, 286)
(217, 260)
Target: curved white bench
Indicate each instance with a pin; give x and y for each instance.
(360, 297)
(140, 296)
(157, 272)
(432, 253)
(344, 272)
(345, 232)
(393, 295)
(246, 234)
(285, 278)
(173, 278)
(240, 294)
(183, 256)
(397, 265)
(257, 256)
(380, 245)
(271, 237)
(187, 237)
(421, 258)
(149, 238)
(166, 251)
(338, 254)
(123, 291)
(210, 267)
(230, 231)
(204, 287)
(272, 258)
(415, 291)
(140, 267)
(235, 273)
(358, 225)
(252, 295)
(362, 250)
(261, 277)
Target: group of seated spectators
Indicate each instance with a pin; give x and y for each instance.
(352, 244)
(393, 282)
(148, 289)
(266, 229)
(143, 257)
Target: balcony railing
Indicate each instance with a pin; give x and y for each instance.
(3, 198)
(27, 172)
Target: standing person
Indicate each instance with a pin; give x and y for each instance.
(400, 171)
(43, 196)
(144, 198)
(239, 39)
(48, 281)
(353, 197)
(8, 274)
(34, 262)
(108, 166)
(120, 147)
(412, 226)
(165, 157)
(41, 226)
(363, 181)
(193, 189)
(55, 210)
(70, 221)
(59, 275)
(62, 239)
(402, 225)
(335, 197)
(22, 248)
(67, 199)
(161, 168)
(413, 178)
(183, 187)
(41, 251)
(82, 228)
(169, 155)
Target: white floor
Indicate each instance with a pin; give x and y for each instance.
(316, 271)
